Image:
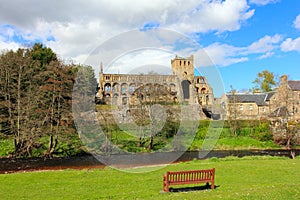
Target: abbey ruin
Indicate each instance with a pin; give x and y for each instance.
(181, 86)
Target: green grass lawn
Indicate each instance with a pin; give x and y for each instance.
(236, 178)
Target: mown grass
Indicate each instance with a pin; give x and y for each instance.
(236, 178)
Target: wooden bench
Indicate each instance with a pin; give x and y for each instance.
(189, 177)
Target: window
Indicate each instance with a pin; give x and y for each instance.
(241, 107)
(250, 107)
(186, 89)
(107, 87)
(202, 80)
(124, 88)
(203, 91)
(263, 110)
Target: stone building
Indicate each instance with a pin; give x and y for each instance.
(247, 106)
(285, 98)
(181, 86)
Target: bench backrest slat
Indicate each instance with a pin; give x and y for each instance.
(184, 176)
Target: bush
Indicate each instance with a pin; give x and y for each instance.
(6, 147)
(263, 132)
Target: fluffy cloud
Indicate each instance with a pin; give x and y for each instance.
(8, 45)
(214, 15)
(76, 28)
(297, 22)
(224, 55)
(291, 45)
(265, 44)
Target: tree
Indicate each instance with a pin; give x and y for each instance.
(233, 112)
(147, 112)
(35, 99)
(265, 81)
(55, 102)
(17, 80)
(43, 55)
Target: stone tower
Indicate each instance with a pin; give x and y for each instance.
(184, 68)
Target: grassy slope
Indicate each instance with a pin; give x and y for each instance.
(246, 178)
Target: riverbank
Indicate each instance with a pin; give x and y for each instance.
(12, 165)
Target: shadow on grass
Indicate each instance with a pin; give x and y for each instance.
(193, 188)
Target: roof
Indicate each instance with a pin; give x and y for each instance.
(259, 99)
(294, 85)
(280, 112)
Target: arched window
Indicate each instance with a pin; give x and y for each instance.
(131, 87)
(124, 100)
(116, 87)
(107, 87)
(186, 89)
(202, 80)
(207, 99)
(124, 88)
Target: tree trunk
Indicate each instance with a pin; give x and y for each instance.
(150, 147)
(293, 154)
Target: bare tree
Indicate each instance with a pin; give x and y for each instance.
(35, 92)
(233, 112)
(147, 112)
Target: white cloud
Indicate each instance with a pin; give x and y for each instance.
(224, 54)
(263, 2)
(265, 44)
(266, 55)
(80, 27)
(142, 61)
(291, 45)
(8, 45)
(297, 22)
(215, 15)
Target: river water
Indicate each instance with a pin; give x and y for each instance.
(10, 165)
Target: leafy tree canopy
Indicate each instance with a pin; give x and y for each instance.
(42, 54)
(265, 81)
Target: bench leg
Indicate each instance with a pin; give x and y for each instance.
(165, 184)
(166, 187)
(212, 185)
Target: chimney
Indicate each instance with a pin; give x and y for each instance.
(283, 79)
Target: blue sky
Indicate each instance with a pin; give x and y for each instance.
(241, 37)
